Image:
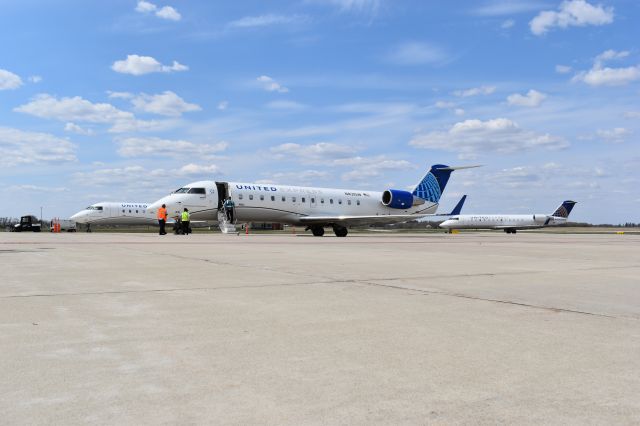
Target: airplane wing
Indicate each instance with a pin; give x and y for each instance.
(361, 220)
(517, 227)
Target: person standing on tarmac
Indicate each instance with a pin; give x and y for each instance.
(162, 218)
(185, 221)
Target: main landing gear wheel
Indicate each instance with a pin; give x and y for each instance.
(340, 231)
(318, 231)
(510, 231)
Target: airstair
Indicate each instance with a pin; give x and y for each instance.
(226, 227)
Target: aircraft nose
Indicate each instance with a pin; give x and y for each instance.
(445, 224)
(78, 217)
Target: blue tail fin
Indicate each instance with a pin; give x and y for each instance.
(458, 208)
(565, 209)
(432, 184)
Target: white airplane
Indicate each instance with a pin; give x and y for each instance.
(315, 208)
(113, 213)
(510, 223)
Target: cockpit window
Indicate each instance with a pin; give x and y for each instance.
(181, 191)
(197, 191)
(99, 208)
(94, 208)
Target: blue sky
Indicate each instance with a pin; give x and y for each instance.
(128, 100)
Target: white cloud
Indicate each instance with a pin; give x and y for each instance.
(168, 12)
(444, 104)
(166, 103)
(153, 146)
(77, 109)
(18, 147)
(322, 152)
(600, 75)
(563, 69)
(475, 91)
(74, 128)
(145, 7)
(302, 176)
(533, 98)
(577, 13)
(9, 80)
(270, 85)
(165, 12)
(196, 169)
(73, 109)
(140, 65)
(222, 105)
(35, 79)
(459, 112)
(120, 95)
(615, 135)
(416, 53)
(267, 20)
(500, 135)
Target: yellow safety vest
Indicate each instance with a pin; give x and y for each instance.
(185, 216)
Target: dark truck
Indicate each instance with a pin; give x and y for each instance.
(28, 224)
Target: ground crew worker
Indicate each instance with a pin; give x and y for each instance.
(185, 221)
(162, 218)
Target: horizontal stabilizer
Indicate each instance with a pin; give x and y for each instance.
(452, 168)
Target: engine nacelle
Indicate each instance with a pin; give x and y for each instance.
(397, 199)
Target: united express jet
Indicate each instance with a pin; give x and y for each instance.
(314, 208)
(510, 223)
(113, 213)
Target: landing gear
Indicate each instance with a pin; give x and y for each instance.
(318, 231)
(340, 231)
(510, 231)
(88, 227)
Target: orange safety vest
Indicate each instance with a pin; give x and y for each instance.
(162, 213)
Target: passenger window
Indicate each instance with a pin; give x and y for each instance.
(303, 199)
(313, 200)
(122, 211)
(331, 201)
(273, 198)
(321, 200)
(240, 197)
(339, 201)
(129, 211)
(349, 202)
(136, 211)
(358, 202)
(251, 196)
(283, 199)
(293, 199)
(262, 198)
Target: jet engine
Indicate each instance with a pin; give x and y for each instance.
(397, 199)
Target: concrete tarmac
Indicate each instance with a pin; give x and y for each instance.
(475, 328)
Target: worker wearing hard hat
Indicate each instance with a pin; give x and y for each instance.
(185, 221)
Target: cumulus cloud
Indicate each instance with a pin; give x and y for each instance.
(577, 13)
(9, 80)
(166, 103)
(77, 109)
(197, 169)
(165, 12)
(18, 147)
(35, 79)
(475, 91)
(364, 168)
(74, 128)
(601, 75)
(38, 188)
(140, 65)
(533, 98)
(416, 53)
(317, 153)
(615, 135)
(222, 105)
(153, 146)
(500, 135)
(267, 20)
(302, 176)
(270, 85)
(563, 69)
